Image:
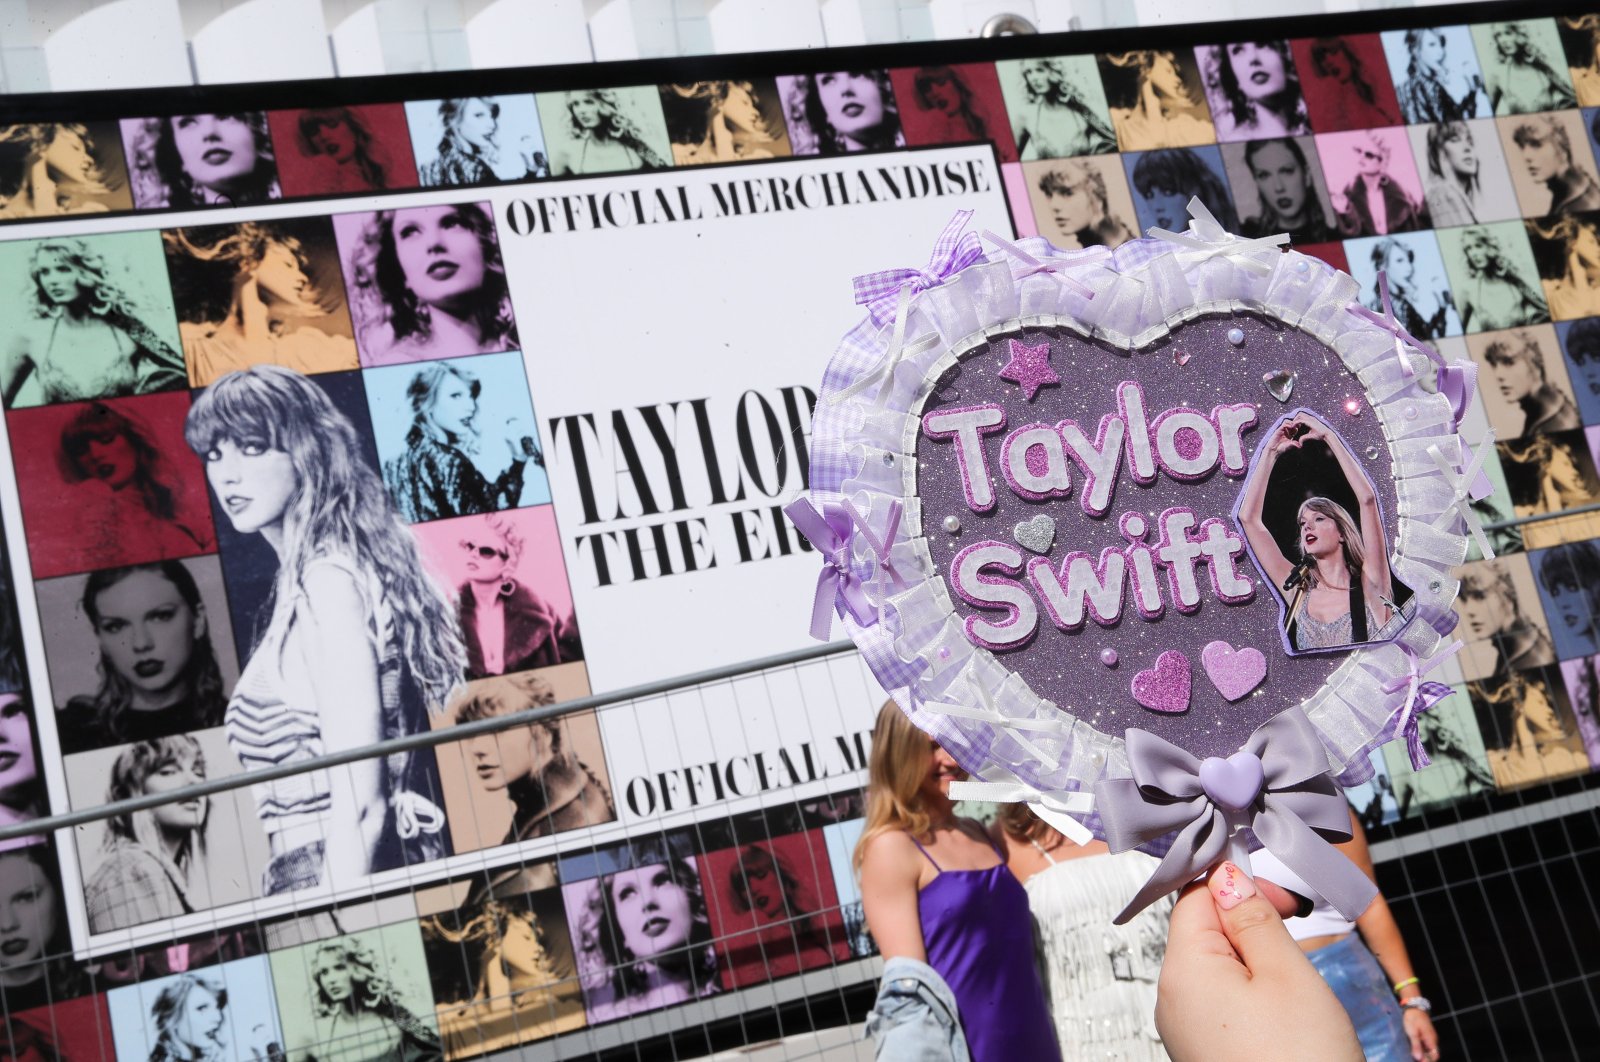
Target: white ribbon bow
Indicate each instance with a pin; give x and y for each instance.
(1461, 498)
(1214, 240)
(883, 375)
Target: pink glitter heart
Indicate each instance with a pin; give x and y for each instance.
(1165, 687)
(1234, 672)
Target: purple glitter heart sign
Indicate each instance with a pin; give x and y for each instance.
(1296, 548)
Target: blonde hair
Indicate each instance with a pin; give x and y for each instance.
(1352, 546)
(895, 773)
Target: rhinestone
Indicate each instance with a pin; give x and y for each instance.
(888, 458)
(1372, 453)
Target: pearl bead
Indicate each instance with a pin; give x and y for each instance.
(952, 524)
(1236, 336)
(1108, 657)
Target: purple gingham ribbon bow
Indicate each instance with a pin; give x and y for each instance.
(1277, 784)
(953, 252)
(1420, 696)
(1391, 324)
(830, 531)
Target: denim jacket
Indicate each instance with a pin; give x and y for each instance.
(914, 1018)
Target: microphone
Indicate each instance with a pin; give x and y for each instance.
(1300, 576)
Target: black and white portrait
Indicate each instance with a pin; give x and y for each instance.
(1419, 289)
(1496, 283)
(426, 282)
(51, 169)
(196, 160)
(642, 931)
(477, 140)
(1058, 107)
(86, 317)
(1567, 250)
(616, 130)
(724, 121)
(457, 437)
(1464, 175)
(358, 997)
(837, 112)
(1278, 187)
(1254, 89)
(1529, 732)
(1081, 202)
(216, 1014)
(1502, 622)
(255, 293)
(138, 653)
(503, 968)
(1523, 66)
(1552, 165)
(1436, 74)
(552, 784)
(360, 645)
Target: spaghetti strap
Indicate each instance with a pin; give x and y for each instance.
(924, 852)
(1044, 852)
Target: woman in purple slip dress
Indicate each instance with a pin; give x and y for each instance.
(936, 889)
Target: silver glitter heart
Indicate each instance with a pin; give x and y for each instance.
(1279, 384)
(1037, 534)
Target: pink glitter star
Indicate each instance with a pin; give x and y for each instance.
(1030, 367)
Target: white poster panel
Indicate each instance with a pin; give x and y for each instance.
(677, 327)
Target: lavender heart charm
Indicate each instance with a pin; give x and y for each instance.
(1234, 672)
(1165, 687)
(1233, 783)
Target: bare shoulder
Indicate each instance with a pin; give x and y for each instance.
(891, 854)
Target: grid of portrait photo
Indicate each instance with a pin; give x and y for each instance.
(511, 955)
(266, 468)
(282, 491)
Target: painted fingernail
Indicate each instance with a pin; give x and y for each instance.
(1231, 886)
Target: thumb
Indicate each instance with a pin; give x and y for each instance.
(1254, 927)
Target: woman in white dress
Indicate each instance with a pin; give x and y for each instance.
(1100, 978)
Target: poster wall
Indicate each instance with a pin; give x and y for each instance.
(442, 409)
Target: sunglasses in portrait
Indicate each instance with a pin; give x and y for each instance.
(484, 551)
(1368, 153)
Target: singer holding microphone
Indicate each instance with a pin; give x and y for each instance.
(1339, 588)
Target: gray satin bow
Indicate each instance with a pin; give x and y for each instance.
(1278, 785)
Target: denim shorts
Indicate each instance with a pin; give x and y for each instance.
(298, 868)
(1359, 982)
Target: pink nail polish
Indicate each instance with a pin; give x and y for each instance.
(1231, 886)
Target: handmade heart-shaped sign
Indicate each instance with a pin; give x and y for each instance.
(1076, 551)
